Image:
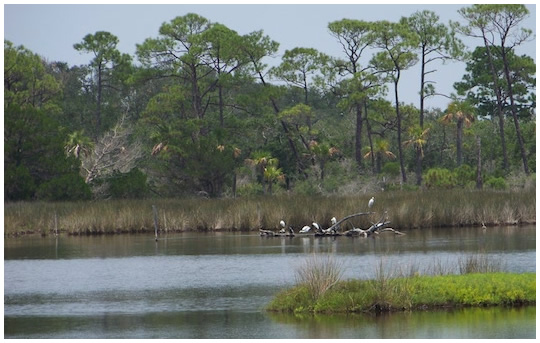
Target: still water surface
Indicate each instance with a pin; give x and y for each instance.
(215, 285)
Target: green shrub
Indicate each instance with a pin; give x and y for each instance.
(391, 168)
(18, 183)
(306, 187)
(440, 178)
(250, 189)
(129, 185)
(66, 187)
(464, 174)
(496, 183)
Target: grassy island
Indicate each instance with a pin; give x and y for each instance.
(411, 293)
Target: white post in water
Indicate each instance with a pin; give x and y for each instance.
(154, 209)
(55, 224)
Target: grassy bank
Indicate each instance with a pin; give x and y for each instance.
(406, 209)
(410, 293)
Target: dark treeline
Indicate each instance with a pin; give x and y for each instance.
(197, 111)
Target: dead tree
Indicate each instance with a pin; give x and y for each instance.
(113, 152)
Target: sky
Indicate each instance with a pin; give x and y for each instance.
(51, 30)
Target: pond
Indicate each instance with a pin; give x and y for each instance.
(215, 285)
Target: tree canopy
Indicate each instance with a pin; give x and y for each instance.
(198, 110)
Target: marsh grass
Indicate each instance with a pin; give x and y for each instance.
(318, 274)
(406, 210)
(480, 263)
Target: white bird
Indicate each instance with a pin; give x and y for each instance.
(371, 202)
(305, 229)
(282, 223)
(316, 227)
(335, 229)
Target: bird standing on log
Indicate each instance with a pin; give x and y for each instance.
(282, 223)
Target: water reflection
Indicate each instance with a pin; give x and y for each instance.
(496, 239)
(458, 323)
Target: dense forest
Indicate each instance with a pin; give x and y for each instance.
(197, 112)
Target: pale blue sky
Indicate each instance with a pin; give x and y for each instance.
(51, 30)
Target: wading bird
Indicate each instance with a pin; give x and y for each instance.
(371, 202)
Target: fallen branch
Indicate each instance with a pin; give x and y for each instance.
(268, 233)
(348, 217)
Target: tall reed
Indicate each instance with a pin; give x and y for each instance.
(405, 210)
(319, 274)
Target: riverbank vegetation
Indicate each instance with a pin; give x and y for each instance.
(196, 111)
(406, 210)
(480, 283)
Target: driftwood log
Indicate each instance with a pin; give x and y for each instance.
(378, 227)
(281, 233)
(332, 231)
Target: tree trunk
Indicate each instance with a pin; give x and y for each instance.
(400, 149)
(478, 163)
(368, 128)
(299, 163)
(358, 137)
(418, 166)
(497, 91)
(514, 113)
(459, 141)
(98, 109)
(422, 97)
(220, 94)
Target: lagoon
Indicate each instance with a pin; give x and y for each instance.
(215, 285)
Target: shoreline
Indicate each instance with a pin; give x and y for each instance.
(404, 209)
(148, 231)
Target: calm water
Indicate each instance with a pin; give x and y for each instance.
(216, 285)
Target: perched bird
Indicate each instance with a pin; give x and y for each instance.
(282, 223)
(305, 229)
(371, 202)
(334, 229)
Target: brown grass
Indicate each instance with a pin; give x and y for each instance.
(406, 209)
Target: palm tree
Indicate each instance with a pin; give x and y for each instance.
(261, 160)
(380, 150)
(322, 152)
(463, 113)
(272, 174)
(418, 138)
(78, 144)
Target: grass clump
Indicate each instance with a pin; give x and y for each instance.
(318, 274)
